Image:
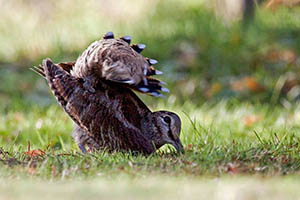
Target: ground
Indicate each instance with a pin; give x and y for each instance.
(235, 85)
(235, 150)
(154, 188)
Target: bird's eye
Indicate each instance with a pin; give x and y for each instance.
(167, 119)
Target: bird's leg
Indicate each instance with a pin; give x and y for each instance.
(81, 147)
(90, 84)
(80, 137)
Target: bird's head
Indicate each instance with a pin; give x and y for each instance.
(166, 127)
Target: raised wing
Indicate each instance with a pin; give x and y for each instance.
(111, 116)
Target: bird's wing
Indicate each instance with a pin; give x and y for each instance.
(101, 113)
(67, 66)
(64, 88)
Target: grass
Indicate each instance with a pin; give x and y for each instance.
(196, 50)
(232, 151)
(234, 87)
(218, 139)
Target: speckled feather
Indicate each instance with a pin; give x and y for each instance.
(95, 92)
(117, 61)
(112, 118)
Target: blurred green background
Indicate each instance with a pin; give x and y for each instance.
(206, 49)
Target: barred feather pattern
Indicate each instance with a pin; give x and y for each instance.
(102, 122)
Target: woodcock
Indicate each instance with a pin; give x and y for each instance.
(95, 91)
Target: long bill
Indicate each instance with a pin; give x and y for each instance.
(178, 146)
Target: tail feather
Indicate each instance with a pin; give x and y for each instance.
(152, 87)
(39, 70)
(152, 71)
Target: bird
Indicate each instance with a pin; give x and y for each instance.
(118, 61)
(96, 92)
(111, 118)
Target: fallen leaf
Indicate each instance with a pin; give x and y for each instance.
(253, 85)
(189, 147)
(252, 119)
(232, 168)
(34, 153)
(247, 84)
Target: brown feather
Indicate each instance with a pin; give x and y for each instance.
(112, 118)
(114, 60)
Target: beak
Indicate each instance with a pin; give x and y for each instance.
(178, 146)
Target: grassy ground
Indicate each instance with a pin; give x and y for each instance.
(224, 144)
(234, 86)
(218, 139)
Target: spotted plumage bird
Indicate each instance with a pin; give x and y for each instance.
(112, 117)
(107, 114)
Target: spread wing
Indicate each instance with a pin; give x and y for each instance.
(102, 115)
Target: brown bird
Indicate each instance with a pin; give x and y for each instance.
(112, 117)
(115, 60)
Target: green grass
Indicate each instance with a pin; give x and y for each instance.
(240, 142)
(218, 139)
(243, 151)
(196, 50)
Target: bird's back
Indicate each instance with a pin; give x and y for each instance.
(117, 61)
(111, 59)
